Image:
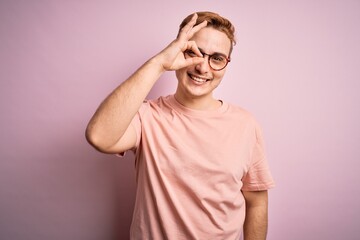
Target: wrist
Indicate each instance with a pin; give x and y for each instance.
(157, 64)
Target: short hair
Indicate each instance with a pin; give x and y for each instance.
(215, 21)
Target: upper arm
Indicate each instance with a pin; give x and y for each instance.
(256, 198)
(126, 142)
(258, 176)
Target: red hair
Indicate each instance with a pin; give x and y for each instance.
(215, 21)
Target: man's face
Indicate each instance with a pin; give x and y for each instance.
(200, 80)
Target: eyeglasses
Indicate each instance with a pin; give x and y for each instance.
(217, 61)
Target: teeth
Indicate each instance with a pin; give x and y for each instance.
(197, 79)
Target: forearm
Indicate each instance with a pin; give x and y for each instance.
(255, 226)
(115, 113)
(256, 218)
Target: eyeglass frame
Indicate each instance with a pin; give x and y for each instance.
(190, 52)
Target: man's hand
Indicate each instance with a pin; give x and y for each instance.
(172, 57)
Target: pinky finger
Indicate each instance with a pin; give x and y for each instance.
(197, 28)
(188, 27)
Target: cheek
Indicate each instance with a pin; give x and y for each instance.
(181, 73)
(219, 75)
(178, 74)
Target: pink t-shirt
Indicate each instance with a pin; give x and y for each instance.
(191, 166)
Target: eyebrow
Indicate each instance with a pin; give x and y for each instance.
(215, 53)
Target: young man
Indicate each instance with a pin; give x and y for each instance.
(200, 165)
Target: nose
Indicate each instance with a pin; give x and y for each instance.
(203, 67)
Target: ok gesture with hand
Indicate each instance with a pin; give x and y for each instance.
(172, 57)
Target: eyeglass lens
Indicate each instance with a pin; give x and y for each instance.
(216, 61)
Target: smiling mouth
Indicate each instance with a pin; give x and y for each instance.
(198, 79)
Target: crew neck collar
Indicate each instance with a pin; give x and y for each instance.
(195, 112)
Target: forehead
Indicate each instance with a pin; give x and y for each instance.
(211, 40)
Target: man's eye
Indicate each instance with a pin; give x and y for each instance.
(191, 53)
(218, 58)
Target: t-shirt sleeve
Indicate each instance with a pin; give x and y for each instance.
(258, 177)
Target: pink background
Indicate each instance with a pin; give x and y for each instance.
(296, 68)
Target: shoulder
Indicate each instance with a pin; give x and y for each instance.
(155, 106)
(240, 116)
(241, 113)
(157, 102)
